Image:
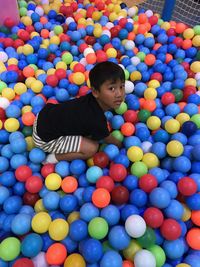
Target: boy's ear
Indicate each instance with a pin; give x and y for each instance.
(95, 92)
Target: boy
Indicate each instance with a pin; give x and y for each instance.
(71, 130)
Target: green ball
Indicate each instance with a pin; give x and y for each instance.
(141, 56)
(22, 3)
(196, 119)
(139, 168)
(121, 109)
(196, 30)
(27, 131)
(198, 55)
(127, 74)
(118, 135)
(22, 11)
(4, 29)
(148, 239)
(10, 248)
(160, 22)
(159, 255)
(106, 246)
(178, 94)
(67, 58)
(98, 228)
(143, 115)
(58, 29)
(2, 86)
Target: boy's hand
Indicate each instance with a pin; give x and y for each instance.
(112, 140)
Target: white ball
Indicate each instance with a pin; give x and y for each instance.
(109, 25)
(106, 32)
(149, 13)
(129, 45)
(87, 51)
(39, 10)
(69, 20)
(4, 102)
(52, 33)
(135, 226)
(29, 13)
(130, 20)
(40, 260)
(144, 258)
(129, 87)
(146, 146)
(132, 11)
(83, 61)
(197, 76)
(3, 56)
(135, 61)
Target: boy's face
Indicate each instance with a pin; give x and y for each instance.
(110, 94)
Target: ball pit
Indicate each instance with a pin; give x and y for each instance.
(138, 206)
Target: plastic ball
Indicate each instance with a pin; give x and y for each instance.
(193, 237)
(31, 245)
(101, 197)
(170, 229)
(10, 248)
(74, 260)
(187, 186)
(148, 182)
(98, 228)
(172, 126)
(174, 148)
(92, 250)
(40, 222)
(23, 262)
(56, 254)
(111, 258)
(139, 226)
(101, 159)
(144, 258)
(53, 181)
(117, 172)
(11, 125)
(58, 229)
(135, 153)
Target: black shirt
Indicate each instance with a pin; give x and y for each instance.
(80, 116)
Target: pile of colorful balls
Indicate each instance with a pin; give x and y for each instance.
(136, 206)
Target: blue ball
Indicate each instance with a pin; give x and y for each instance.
(111, 258)
(128, 210)
(92, 250)
(77, 167)
(111, 214)
(118, 237)
(51, 200)
(159, 197)
(193, 202)
(174, 210)
(21, 224)
(174, 249)
(68, 203)
(7, 179)
(159, 149)
(116, 122)
(131, 182)
(70, 244)
(111, 150)
(62, 168)
(37, 155)
(18, 160)
(138, 198)
(12, 204)
(4, 164)
(182, 164)
(78, 230)
(19, 146)
(170, 186)
(193, 260)
(88, 211)
(31, 245)
(4, 194)
(189, 128)
(158, 173)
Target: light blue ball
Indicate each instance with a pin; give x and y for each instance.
(21, 224)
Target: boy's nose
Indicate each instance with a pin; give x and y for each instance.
(118, 92)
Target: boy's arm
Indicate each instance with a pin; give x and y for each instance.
(112, 140)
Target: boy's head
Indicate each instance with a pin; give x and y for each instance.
(107, 80)
(105, 71)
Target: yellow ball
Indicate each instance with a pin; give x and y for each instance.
(96, 15)
(196, 41)
(73, 216)
(165, 25)
(73, 64)
(131, 250)
(19, 50)
(90, 162)
(30, 143)
(153, 123)
(36, 86)
(58, 229)
(182, 117)
(33, 34)
(150, 93)
(174, 148)
(39, 206)
(8, 93)
(55, 40)
(78, 78)
(39, 72)
(12, 61)
(27, 21)
(97, 32)
(183, 265)
(172, 126)
(186, 213)
(188, 33)
(53, 181)
(2, 67)
(51, 71)
(20, 88)
(29, 81)
(11, 125)
(61, 65)
(135, 153)
(113, 16)
(195, 66)
(1, 124)
(110, 7)
(27, 49)
(40, 222)
(150, 160)
(191, 81)
(74, 260)
(111, 52)
(154, 84)
(117, 8)
(135, 76)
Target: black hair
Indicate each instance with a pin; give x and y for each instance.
(105, 71)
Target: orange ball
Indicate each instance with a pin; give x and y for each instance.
(196, 217)
(142, 18)
(180, 27)
(69, 184)
(150, 59)
(91, 58)
(127, 129)
(44, 33)
(193, 238)
(56, 254)
(28, 72)
(150, 105)
(169, 57)
(28, 118)
(101, 197)
(142, 29)
(127, 263)
(187, 43)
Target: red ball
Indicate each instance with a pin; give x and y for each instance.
(2, 114)
(101, 56)
(23, 35)
(120, 195)
(22, 173)
(101, 159)
(60, 74)
(167, 98)
(153, 20)
(115, 31)
(118, 172)
(47, 169)
(122, 22)
(188, 90)
(90, 40)
(8, 42)
(52, 80)
(105, 182)
(18, 43)
(157, 76)
(82, 47)
(30, 199)
(187, 186)
(79, 68)
(170, 229)
(148, 182)
(130, 116)
(23, 262)
(51, 57)
(8, 22)
(178, 41)
(34, 184)
(171, 32)
(153, 217)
